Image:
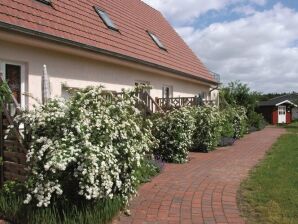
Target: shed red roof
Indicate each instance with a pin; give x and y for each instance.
(77, 21)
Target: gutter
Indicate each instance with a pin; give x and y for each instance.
(60, 40)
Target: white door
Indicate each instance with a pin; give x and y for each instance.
(282, 111)
(14, 73)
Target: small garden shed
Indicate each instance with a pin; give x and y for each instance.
(277, 110)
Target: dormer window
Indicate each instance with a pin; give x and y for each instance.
(105, 18)
(48, 2)
(156, 40)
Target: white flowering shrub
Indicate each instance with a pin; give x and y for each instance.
(209, 123)
(240, 123)
(89, 146)
(234, 122)
(174, 132)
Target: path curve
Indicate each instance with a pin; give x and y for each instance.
(203, 190)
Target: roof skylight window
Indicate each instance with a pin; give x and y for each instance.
(48, 2)
(105, 18)
(156, 40)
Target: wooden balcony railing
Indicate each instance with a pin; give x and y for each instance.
(145, 104)
(10, 109)
(12, 148)
(178, 102)
(148, 102)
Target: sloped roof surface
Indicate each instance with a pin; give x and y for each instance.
(272, 102)
(76, 20)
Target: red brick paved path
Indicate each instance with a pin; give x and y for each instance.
(203, 190)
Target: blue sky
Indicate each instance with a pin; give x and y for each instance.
(225, 15)
(254, 41)
(230, 14)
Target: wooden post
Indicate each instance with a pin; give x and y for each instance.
(1, 140)
(1, 148)
(180, 102)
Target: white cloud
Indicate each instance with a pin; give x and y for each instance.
(260, 49)
(186, 11)
(179, 11)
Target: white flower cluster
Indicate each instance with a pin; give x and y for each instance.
(174, 132)
(93, 141)
(209, 124)
(240, 121)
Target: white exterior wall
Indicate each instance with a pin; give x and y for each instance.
(295, 113)
(79, 72)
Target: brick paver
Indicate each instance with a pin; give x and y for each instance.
(203, 190)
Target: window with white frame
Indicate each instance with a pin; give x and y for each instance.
(67, 92)
(14, 74)
(143, 83)
(167, 91)
(203, 95)
(157, 41)
(105, 18)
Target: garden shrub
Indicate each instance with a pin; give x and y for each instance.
(236, 95)
(64, 210)
(256, 121)
(208, 123)
(13, 209)
(240, 122)
(234, 124)
(4, 93)
(228, 117)
(148, 169)
(174, 131)
(87, 148)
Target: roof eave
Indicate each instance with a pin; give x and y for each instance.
(286, 101)
(61, 40)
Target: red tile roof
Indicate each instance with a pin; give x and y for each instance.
(77, 21)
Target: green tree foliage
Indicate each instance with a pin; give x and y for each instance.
(4, 93)
(239, 94)
(268, 96)
(174, 131)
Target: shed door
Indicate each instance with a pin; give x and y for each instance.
(282, 114)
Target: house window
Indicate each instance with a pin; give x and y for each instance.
(203, 95)
(105, 18)
(143, 94)
(48, 2)
(68, 92)
(14, 74)
(167, 91)
(156, 40)
(143, 83)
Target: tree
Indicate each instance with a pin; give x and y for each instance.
(239, 94)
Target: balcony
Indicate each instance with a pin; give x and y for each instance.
(216, 76)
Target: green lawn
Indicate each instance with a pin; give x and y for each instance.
(270, 194)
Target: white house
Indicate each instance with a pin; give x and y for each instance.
(113, 43)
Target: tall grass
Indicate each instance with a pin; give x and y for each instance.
(66, 210)
(13, 209)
